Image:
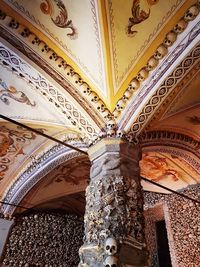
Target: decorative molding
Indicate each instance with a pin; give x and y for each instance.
(164, 90)
(162, 50)
(44, 87)
(166, 138)
(35, 170)
(176, 144)
(63, 45)
(12, 30)
(159, 75)
(176, 93)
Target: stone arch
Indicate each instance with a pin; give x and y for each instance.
(35, 171)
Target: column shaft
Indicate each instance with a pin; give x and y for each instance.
(114, 222)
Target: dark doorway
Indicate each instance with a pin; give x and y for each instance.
(162, 244)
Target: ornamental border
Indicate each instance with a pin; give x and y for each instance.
(31, 174)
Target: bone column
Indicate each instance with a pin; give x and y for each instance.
(114, 221)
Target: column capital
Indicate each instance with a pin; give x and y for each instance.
(113, 146)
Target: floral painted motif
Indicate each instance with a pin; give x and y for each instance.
(11, 92)
(141, 10)
(59, 15)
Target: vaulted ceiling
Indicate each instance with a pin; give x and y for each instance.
(68, 67)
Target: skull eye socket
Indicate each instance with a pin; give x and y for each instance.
(114, 265)
(107, 265)
(107, 247)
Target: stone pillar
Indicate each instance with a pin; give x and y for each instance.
(114, 221)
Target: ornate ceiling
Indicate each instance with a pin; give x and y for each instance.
(69, 67)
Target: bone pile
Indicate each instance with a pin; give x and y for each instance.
(44, 240)
(182, 219)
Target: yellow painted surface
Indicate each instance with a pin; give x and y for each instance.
(125, 48)
(53, 45)
(122, 56)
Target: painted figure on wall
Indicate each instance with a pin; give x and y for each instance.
(141, 10)
(157, 168)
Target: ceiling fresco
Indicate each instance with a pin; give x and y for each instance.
(63, 188)
(105, 46)
(166, 170)
(18, 146)
(64, 180)
(84, 70)
(59, 21)
(21, 100)
(133, 30)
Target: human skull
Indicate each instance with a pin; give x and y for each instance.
(102, 134)
(180, 26)
(111, 261)
(100, 105)
(120, 133)
(111, 246)
(23, 31)
(161, 51)
(69, 70)
(111, 133)
(111, 125)
(116, 113)
(120, 104)
(52, 55)
(43, 47)
(93, 97)
(134, 84)
(142, 75)
(85, 89)
(170, 38)
(191, 13)
(76, 78)
(60, 62)
(152, 63)
(14, 24)
(106, 114)
(127, 94)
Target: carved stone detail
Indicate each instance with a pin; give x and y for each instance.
(114, 222)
